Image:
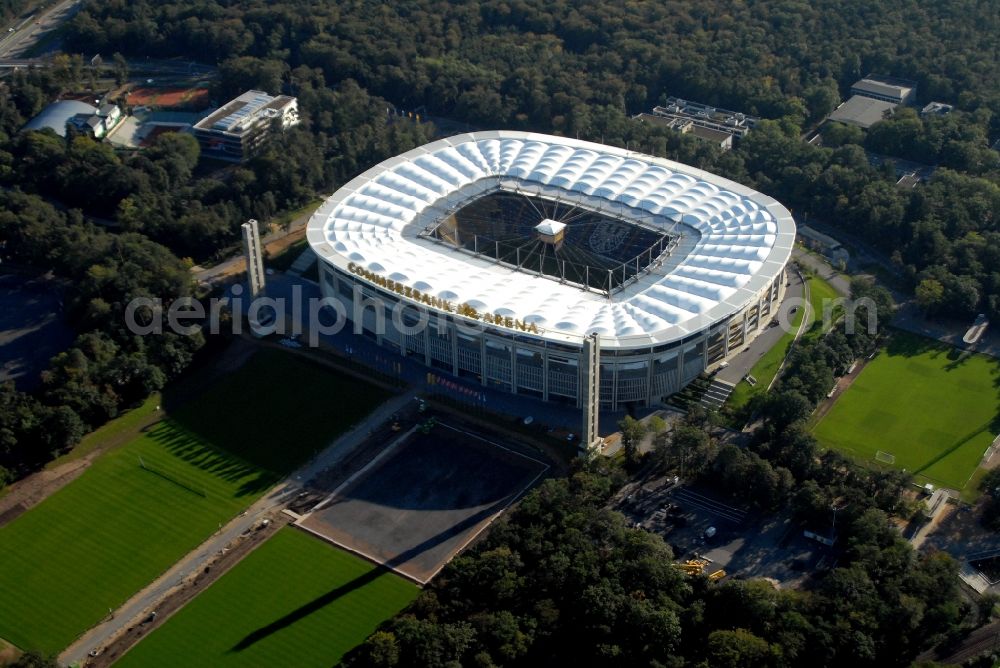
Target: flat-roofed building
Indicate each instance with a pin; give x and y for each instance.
(887, 89)
(722, 139)
(237, 130)
(733, 122)
(822, 243)
(862, 111)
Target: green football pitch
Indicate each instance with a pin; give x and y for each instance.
(932, 407)
(294, 601)
(141, 507)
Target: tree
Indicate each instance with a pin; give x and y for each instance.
(686, 449)
(738, 649)
(632, 431)
(656, 424)
(930, 294)
(382, 649)
(121, 68)
(785, 407)
(34, 659)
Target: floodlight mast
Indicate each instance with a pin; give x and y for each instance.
(254, 259)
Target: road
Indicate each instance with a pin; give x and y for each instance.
(145, 601)
(30, 30)
(740, 365)
(237, 264)
(822, 268)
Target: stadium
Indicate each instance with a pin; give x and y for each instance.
(493, 255)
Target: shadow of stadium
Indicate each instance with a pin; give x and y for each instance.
(442, 471)
(219, 462)
(375, 573)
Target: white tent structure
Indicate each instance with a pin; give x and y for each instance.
(724, 272)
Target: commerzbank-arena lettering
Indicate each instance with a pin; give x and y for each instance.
(463, 310)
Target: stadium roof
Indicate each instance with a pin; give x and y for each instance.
(57, 114)
(734, 241)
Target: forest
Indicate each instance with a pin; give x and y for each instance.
(562, 580)
(580, 69)
(583, 69)
(605, 593)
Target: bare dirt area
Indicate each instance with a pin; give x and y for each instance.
(169, 97)
(274, 244)
(184, 592)
(8, 653)
(38, 486)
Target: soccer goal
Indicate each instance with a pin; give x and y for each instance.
(885, 457)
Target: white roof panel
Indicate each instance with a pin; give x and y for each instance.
(736, 240)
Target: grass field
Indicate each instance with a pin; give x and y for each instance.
(767, 366)
(98, 540)
(820, 292)
(294, 601)
(935, 409)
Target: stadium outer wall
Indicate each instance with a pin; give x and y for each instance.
(530, 363)
(522, 363)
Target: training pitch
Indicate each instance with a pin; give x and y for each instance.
(141, 507)
(427, 497)
(294, 601)
(933, 407)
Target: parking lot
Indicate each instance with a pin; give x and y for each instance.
(697, 523)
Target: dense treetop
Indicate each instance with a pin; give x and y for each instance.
(582, 69)
(497, 62)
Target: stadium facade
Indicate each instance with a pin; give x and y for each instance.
(492, 255)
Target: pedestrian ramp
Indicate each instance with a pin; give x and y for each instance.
(716, 394)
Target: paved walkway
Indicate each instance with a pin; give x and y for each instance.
(911, 318)
(740, 365)
(145, 601)
(807, 319)
(824, 270)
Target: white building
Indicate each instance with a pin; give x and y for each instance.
(99, 123)
(237, 130)
(674, 268)
(887, 89)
